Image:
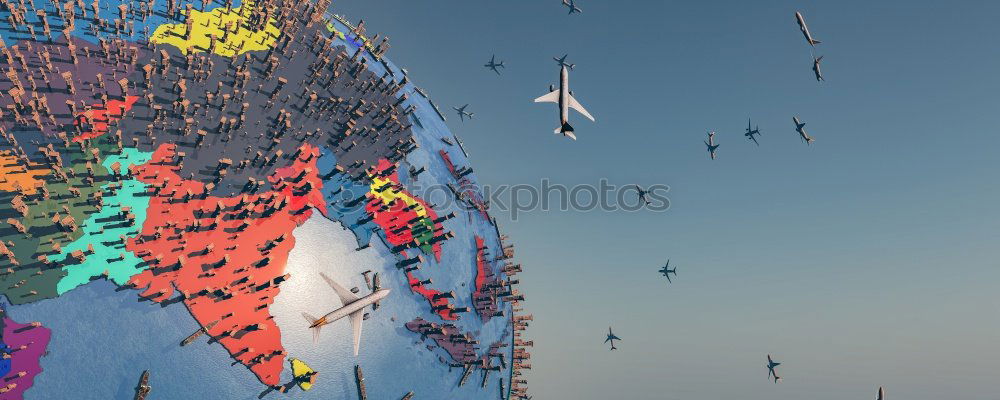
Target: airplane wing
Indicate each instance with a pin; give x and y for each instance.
(579, 108)
(552, 97)
(345, 295)
(615, 337)
(356, 318)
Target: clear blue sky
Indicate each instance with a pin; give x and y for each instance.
(867, 259)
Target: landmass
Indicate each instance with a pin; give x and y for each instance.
(21, 346)
(203, 247)
(222, 31)
(304, 376)
(487, 285)
(19, 176)
(406, 219)
(180, 165)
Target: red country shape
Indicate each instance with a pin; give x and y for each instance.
(99, 117)
(225, 255)
(446, 313)
(484, 299)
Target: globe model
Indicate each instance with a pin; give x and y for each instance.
(225, 200)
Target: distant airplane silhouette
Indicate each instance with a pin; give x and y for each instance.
(571, 4)
(494, 65)
(710, 143)
(799, 125)
(816, 69)
(562, 61)
(461, 112)
(881, 394)
(642, 194)
(611, 338)
(666, 271)
(751, 132)
(770, 369)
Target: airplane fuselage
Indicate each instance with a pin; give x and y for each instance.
(711, 144)
(563, 95)
(349, 309)
(564, 99)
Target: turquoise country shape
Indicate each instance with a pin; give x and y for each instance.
(109, 252)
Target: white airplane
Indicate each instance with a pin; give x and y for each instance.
(805, 29)
(800, 128)
(817, 70)
(564, 97)
(354, 307)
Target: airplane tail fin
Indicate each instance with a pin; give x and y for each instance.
(566, 130)
(613, 347)
(315, 329)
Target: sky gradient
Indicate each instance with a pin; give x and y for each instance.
(866, 259)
